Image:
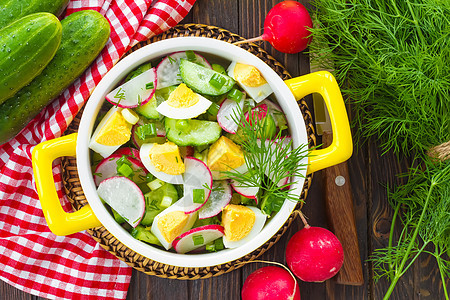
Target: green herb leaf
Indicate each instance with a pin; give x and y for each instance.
(264, 155)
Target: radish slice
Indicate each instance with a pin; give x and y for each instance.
(208, 233)
(125, 197)
(107, 168)
(196, 176)
(133, 152)
(134, 92)
(228, 112)
(260, 111)
(168, 70)
(220, 197)
(144, 154)
(246, 191)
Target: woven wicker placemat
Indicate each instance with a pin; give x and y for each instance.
(76, 196)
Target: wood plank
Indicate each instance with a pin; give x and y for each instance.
(9, 292)
(146, 287)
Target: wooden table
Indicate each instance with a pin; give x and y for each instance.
(370, 172)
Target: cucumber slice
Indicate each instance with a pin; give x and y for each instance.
(198, 79)
(192, 132)
(148, 110)
(138, 71)
(143, 234)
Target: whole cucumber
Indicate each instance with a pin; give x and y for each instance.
(26, 47)
(11, 10)
(84, 35)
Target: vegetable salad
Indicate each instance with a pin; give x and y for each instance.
(192, 156)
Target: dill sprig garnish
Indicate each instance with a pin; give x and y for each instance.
(267, 154)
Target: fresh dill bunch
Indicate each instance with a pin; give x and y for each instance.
(266, 153)
(392, 60)
(423, 205)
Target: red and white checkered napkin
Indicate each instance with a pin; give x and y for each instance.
(31, 257)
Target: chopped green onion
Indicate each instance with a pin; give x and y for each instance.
(150, 86)
(125, 170)
(198, 240)
(191, 55)
(211, 247)
(218, 244)
(166, 201)
(130, 116)
(219, 68)
(146, 130)
(155, 184)
(217, 81)
(214, 109)
(235, 95)
(199, 196)
(123, 160)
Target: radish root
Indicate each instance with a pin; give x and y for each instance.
(252, 40)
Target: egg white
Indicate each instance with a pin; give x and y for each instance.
(104, 150)
(144, 154)
(260, 220)
(184, 112)
(177, 206)
(257, 93)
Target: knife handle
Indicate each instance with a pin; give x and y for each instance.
(341, 219)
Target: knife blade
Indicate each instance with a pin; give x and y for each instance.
(339, 202)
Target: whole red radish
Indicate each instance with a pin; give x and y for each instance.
(272, 283)
(286, 27)
(314, 254)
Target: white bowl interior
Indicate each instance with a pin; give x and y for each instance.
(154, 51)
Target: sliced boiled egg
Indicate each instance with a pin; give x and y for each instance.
(183, 103)
(112, 132)
(241, 223)
(171, 223)
(224, 155)
(251, 80)
(163, 161)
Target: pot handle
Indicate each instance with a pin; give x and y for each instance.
(341, 148)
(59, 222)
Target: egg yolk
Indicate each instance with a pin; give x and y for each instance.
(171, 225)
(248, 75)
(225, 155)
(115, 132)
(238, 221)
(166, 158)
(182, 96)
